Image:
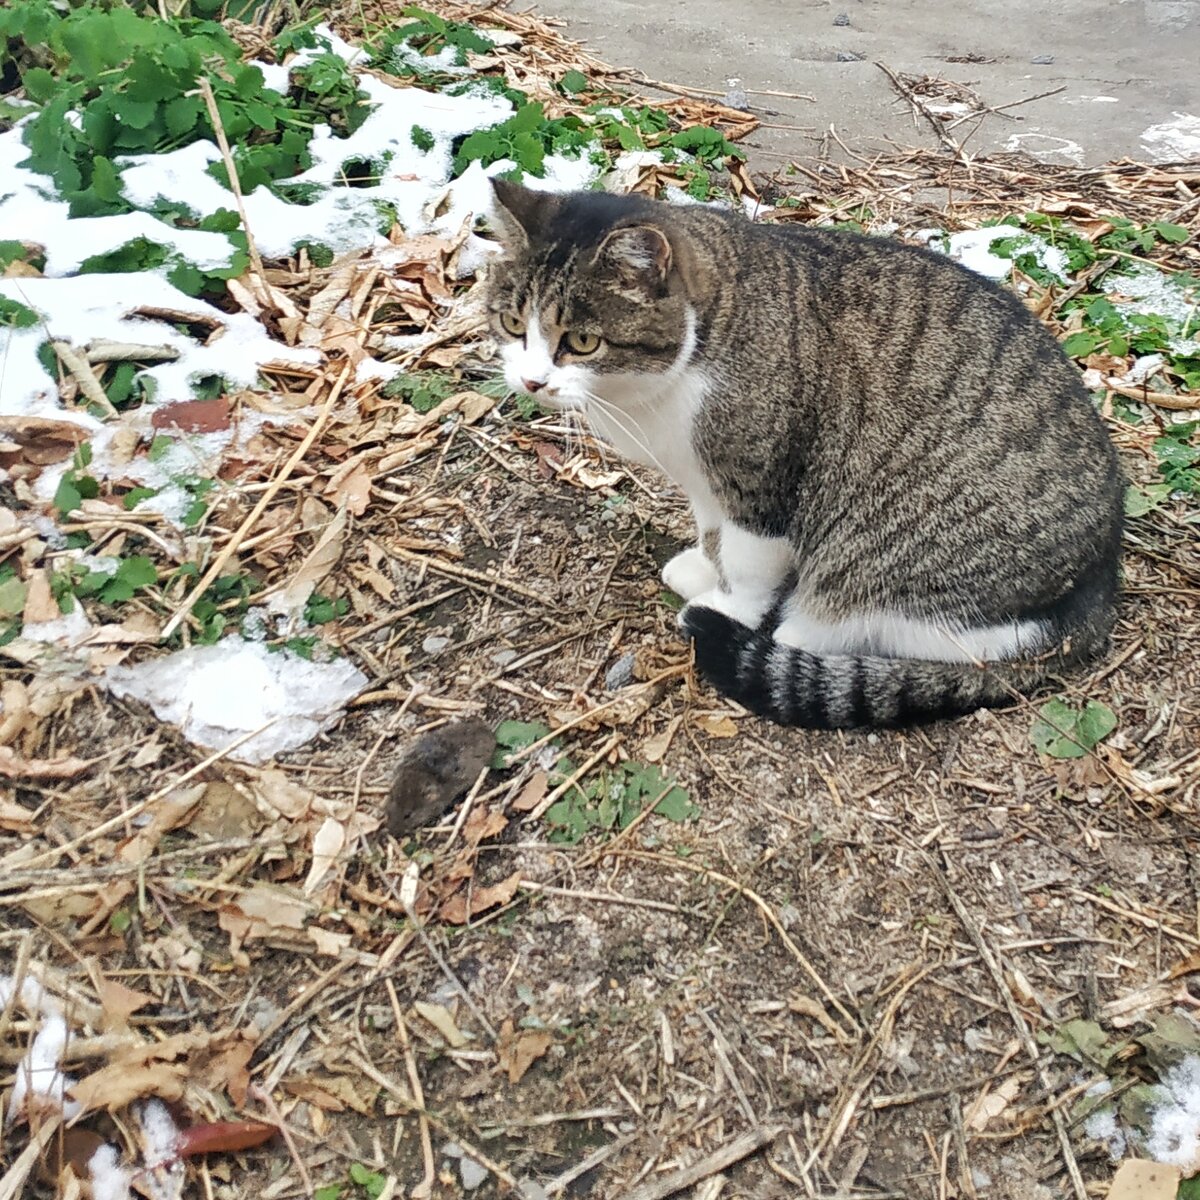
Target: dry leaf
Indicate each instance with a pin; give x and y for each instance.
(193, 416)
(172, 811)
(455, 912)
(115, 1086)
(263, 911)
(118, 1002)
(328, 942)
(531, 795)
(517, 1052)
(991, 1104)
(284, 795)
(63, 909)
(40, 605)
(224, 813)
(13, 817)
(655, 748)
(223, 1137)
(1137, 1179)
(13, 766)
(352, 489)
(227, 1069)
(40, 440)
(327, 845)
(442, 1021)
(718, 725)
(319, 561)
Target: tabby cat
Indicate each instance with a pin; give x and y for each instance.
(907, 506)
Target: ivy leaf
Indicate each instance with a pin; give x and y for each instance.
(573, 82)
(1169, 232)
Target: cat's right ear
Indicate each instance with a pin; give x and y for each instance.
(518, 211)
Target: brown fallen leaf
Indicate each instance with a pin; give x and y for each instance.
(193, 416)
(517, 1052)
(113, 1087)
(990, 1105)
(531, 795)
(171, 812)
(718, 725)
(13, 766)
(226, 1068)
(1137, 1179)
(40, 440)
(352, 488)
(455, 911)
(223, 1137)
(40, 604)
(119, 1002)
(440, 1018)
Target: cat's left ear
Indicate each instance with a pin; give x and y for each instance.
(639, 253)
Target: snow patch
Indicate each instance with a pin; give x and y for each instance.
(1175, 139)
(217, 694)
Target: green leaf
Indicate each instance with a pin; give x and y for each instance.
(330, 1192)
(1084, 1041)
(512, 736)
(676, 806)
(1061, 731)
(15, 315)
(181, 115)
(12, 597)
(106, 183)
(40, 85)
(66, 496)
(1081, 344)
(1169, 232)
(573, 82)
(136, 495)
(1189, 1189)
(1141, 500)
(1172, 1039)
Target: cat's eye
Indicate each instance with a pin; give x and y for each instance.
(513, 325)
(579, 342)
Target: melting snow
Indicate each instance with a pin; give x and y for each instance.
(973, 248)
(1171, 140)
(1174, 1135)
(216, 694)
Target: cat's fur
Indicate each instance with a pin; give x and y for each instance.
(907, 505)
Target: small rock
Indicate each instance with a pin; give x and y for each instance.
(435, 645)
(620, 673)
(1042, 60)
(472, 1173)
(583, 531)
(736, 96)
(503, 657)
(530, 1189)
(842, 19)
(848, 56)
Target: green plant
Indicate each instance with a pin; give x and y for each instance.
(1064, 731)
(226, 598)
(318, 609)
(402, 50)
(1179, 457)
(514, 736)
(613, 799)
(15, 315)
(423, 390)
(76, 485)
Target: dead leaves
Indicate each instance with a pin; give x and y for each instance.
(471, 901)
(517, 1051)
(13, 766)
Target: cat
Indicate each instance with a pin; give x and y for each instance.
(907, 505)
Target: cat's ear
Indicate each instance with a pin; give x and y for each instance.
(519, 211)
(640, 254)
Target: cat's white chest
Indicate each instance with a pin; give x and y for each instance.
(656, 429)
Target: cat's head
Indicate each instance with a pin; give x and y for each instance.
(589, 297)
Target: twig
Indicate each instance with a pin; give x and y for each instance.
(938, 128)
(83, 374)
(231, 546)
(277, 1119)
(938, 867)
(574, 777)
(741, 1147)
(999, 108)
(235, 184)
(424, 1189)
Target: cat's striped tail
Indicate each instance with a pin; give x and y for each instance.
(796, 687)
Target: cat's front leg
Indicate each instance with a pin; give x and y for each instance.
(751, 570)
(694, 571)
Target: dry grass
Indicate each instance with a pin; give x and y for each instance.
(831, 983)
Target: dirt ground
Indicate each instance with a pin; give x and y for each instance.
(840, 978)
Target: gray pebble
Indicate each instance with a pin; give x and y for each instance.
(620, 673)
(472, 1173)
(736, 99)
(848, 56)
(435, 645)
(842, 19)
(503, 657)
(1042, 60)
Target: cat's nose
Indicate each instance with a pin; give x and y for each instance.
(533, 385)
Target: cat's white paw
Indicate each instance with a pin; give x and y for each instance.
(744, 607)
(690, 573)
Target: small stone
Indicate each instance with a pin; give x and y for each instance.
(435, 645)
(530, 1189)
(583, 531)
(736, 96)
(842, 19)
(620, 673)
(503, 657)
(472, 1173)
(848, 56)
(1042, 60)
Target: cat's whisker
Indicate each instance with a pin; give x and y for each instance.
(617, 417)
